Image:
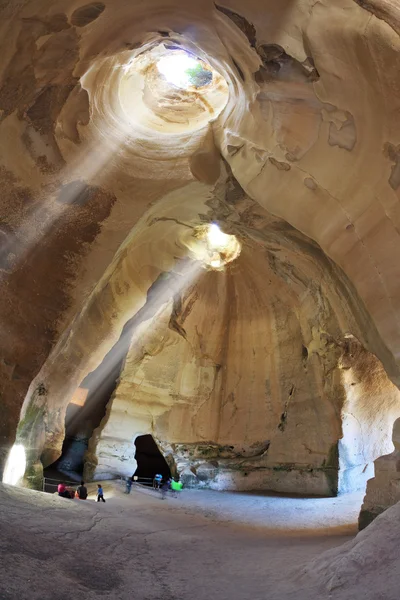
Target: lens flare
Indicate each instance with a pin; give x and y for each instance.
(15, 465)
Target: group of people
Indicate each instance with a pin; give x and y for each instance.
(159, 483)
(80, 492)
(166, 484)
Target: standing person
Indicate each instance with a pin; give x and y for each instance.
(176, 486)
(82, 491)
(129, 485)
(164, 489)
(100, 495)
(157, 481)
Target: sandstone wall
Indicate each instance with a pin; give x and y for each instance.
(240, 380)
(384, 489)
(100, 196)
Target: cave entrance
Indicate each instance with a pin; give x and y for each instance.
(149, 459)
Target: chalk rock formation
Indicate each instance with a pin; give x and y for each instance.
(288, 441)
(367, 566)
(384, 489)
(240, 366)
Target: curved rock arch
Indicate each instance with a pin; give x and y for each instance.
(309, 131)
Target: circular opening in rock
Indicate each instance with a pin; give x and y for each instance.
(170, 91)
(184, 71)
(214, 247)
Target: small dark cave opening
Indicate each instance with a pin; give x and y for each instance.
(149, 459)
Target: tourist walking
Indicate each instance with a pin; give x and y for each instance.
(100, 495)
(129, 485)
(165, 486)
(82, 492)
(157, 481)
(176, 487)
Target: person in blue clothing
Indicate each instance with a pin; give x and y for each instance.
(100, 495)
(157, 481)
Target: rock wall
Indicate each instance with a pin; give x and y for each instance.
(248, 361)
(240, 380)
(384, 489)
(371, 407)
(106, 173)
(312, 422)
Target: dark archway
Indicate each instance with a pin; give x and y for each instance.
(149, 459)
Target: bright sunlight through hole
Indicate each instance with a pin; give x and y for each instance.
(216, 248)
(15, 465)
(217, 239)
(183, 71)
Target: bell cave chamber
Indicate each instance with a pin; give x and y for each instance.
(199, 246)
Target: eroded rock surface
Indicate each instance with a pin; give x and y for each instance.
(245, 376)
(384, 489)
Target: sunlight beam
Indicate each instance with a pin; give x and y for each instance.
(143, 322)
(15, 465)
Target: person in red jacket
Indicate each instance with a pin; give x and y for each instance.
(62, 491)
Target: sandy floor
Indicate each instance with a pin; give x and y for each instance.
(274, 514)
(203, 545)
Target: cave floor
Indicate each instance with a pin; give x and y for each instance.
(201, 545)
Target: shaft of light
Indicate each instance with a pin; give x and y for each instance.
(15, 465)
(140, 335)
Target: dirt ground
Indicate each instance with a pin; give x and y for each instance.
(201, 545)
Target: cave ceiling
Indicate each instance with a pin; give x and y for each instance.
(109, 174)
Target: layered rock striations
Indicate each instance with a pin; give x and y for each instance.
(277, 372)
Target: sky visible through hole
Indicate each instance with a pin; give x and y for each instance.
(184, 71)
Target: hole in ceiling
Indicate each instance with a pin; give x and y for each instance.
(215, 248)
(184, 71)
(171, 91)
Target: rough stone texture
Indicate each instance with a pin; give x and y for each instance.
(154, 547)
(384, 489)
(274, 424)
(365, 567)
(106, 172)
(372, 404)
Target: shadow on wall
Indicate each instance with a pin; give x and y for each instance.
(86, 411)
(89, 404)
